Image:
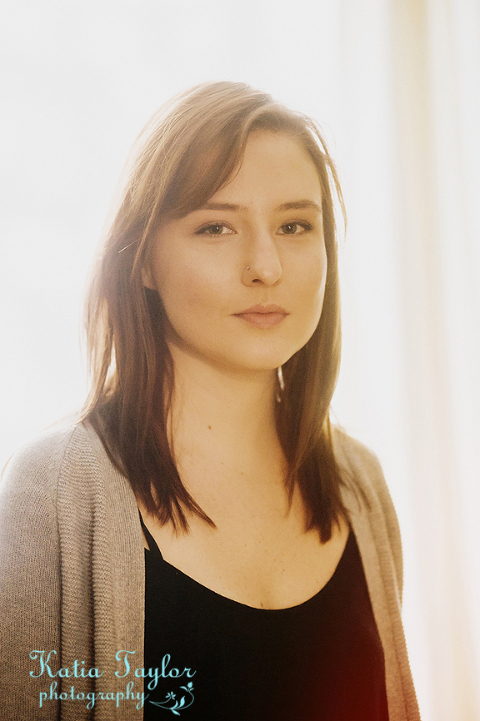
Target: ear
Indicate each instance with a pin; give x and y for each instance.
(147, 278)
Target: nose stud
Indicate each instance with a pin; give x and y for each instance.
(248, 267)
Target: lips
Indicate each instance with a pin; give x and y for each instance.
(263, 316)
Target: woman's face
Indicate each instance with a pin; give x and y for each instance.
(242, 279)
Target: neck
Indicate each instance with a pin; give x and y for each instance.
(222, 416)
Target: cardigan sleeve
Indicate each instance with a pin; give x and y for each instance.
(390, 515)
(375, 524)
(71, 582)
(29, 578)
(361, 459)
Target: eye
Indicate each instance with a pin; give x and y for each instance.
(214, 229)
(295, 228)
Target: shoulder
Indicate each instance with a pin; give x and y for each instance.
(29, 539)
(61, 493)
(29, 490)
(366, 491)
(38, 463)
(361, 469)
(351, 453)
(67, 459)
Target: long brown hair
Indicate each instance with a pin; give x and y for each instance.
(188, 151)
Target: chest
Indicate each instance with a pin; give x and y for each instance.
(261, 562)
(259, 663)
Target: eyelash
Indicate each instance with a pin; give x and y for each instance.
(303, 224)
(204, 228)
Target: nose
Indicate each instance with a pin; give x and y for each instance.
(261, 262)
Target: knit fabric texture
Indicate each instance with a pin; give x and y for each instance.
(72, 578)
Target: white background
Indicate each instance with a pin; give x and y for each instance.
(79, 80)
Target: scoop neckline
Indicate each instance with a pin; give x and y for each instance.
(226, 600)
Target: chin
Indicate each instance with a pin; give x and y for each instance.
(260, 362)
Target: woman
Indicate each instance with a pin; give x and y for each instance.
(202, 542)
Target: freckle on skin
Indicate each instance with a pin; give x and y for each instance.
(210, 427)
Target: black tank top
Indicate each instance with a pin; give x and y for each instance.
(221, 660)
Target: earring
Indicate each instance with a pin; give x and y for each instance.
(281, 384)
(248, 267)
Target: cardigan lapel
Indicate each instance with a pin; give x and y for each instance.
(369, 525)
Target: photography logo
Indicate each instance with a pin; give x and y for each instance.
(174, 704)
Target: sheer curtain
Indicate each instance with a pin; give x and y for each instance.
(396, 86)
(411, 85)
(436, 52)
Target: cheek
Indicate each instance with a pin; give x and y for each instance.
(187, 287)
(314, 275)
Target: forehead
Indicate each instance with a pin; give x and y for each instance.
(275, 166)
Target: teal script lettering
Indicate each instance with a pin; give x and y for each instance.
(78, 669)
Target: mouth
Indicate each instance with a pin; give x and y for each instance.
(263, 316)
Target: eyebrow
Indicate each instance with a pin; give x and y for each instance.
(292, 205)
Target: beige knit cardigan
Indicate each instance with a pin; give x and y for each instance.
(72, 577)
